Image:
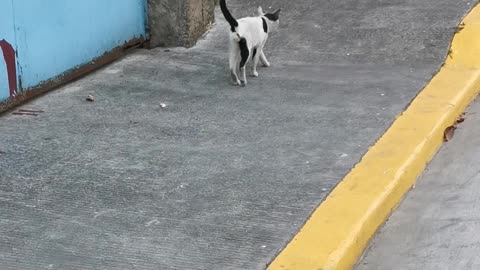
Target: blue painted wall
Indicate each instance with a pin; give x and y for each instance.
(7, 33)
(55, 36)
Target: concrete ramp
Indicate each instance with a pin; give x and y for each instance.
(172, 167)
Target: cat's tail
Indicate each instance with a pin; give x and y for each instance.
(228, 16)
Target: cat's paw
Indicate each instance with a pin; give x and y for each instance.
(237, 82)
(243, 83)
(254, 74)
(266, 64)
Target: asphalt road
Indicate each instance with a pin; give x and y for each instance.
(436, 227)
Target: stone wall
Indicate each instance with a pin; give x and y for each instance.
(178, 22)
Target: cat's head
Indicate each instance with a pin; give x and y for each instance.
(273, 19)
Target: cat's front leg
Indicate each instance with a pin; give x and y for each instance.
(264, 60)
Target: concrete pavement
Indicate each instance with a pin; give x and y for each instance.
(223, 177)
(436, 226)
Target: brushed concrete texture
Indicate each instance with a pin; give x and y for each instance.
(221, 177)
(178, 22)
(436, 227)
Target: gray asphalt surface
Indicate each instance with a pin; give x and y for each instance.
(223, 177)
(437, 225)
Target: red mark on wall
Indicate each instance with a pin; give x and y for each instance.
(9, 56)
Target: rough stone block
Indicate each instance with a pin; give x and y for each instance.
(178, 22)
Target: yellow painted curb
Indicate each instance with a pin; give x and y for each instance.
(339, 230)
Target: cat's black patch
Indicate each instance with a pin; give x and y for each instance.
(243, 51)
(265, 25)
(254, 52)
(273, 16)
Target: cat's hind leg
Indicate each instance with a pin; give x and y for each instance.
(243, 73)
(243, 76)
(245, 53)
(234, 75)
(256, 59)
(234, 64)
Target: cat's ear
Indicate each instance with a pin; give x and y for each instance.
(273, 16)
(260, 11)
(277, 13)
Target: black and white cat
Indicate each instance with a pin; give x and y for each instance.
(247, 40)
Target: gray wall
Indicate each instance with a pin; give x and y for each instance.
(178, 22)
